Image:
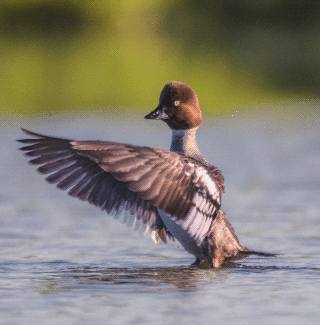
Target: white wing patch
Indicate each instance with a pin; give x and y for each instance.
(199, 218)
(182, 235)
(191, 230)
(202, 175)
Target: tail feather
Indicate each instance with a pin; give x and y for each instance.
(221, 244)
(250, 252)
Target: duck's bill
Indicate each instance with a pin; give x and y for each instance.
(157, 114)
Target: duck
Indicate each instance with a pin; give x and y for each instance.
(176, 193)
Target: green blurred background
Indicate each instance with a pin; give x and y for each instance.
(72, 55)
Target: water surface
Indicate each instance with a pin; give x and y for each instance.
(62, 260)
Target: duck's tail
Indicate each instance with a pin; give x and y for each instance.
(221, 244)
(251, 252)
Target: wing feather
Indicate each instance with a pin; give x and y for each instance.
(138, 179)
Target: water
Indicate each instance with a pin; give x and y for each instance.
(64, 261)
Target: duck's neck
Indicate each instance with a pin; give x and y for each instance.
(184, 141)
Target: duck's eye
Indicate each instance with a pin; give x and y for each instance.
(176, 102)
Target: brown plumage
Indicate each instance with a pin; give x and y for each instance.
(176, 193)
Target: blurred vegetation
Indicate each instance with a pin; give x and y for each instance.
(69, 55)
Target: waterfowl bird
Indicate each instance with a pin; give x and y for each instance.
(177, 193)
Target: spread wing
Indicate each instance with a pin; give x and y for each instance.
(115, 176)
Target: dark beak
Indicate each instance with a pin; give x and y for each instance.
(157, 114)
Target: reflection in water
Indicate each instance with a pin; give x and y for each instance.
(185, 278)
(159, 278)
(181, 278)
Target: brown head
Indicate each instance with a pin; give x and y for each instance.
(178, 107)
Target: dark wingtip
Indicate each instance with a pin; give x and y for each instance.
(39, 136)
(29, 133)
